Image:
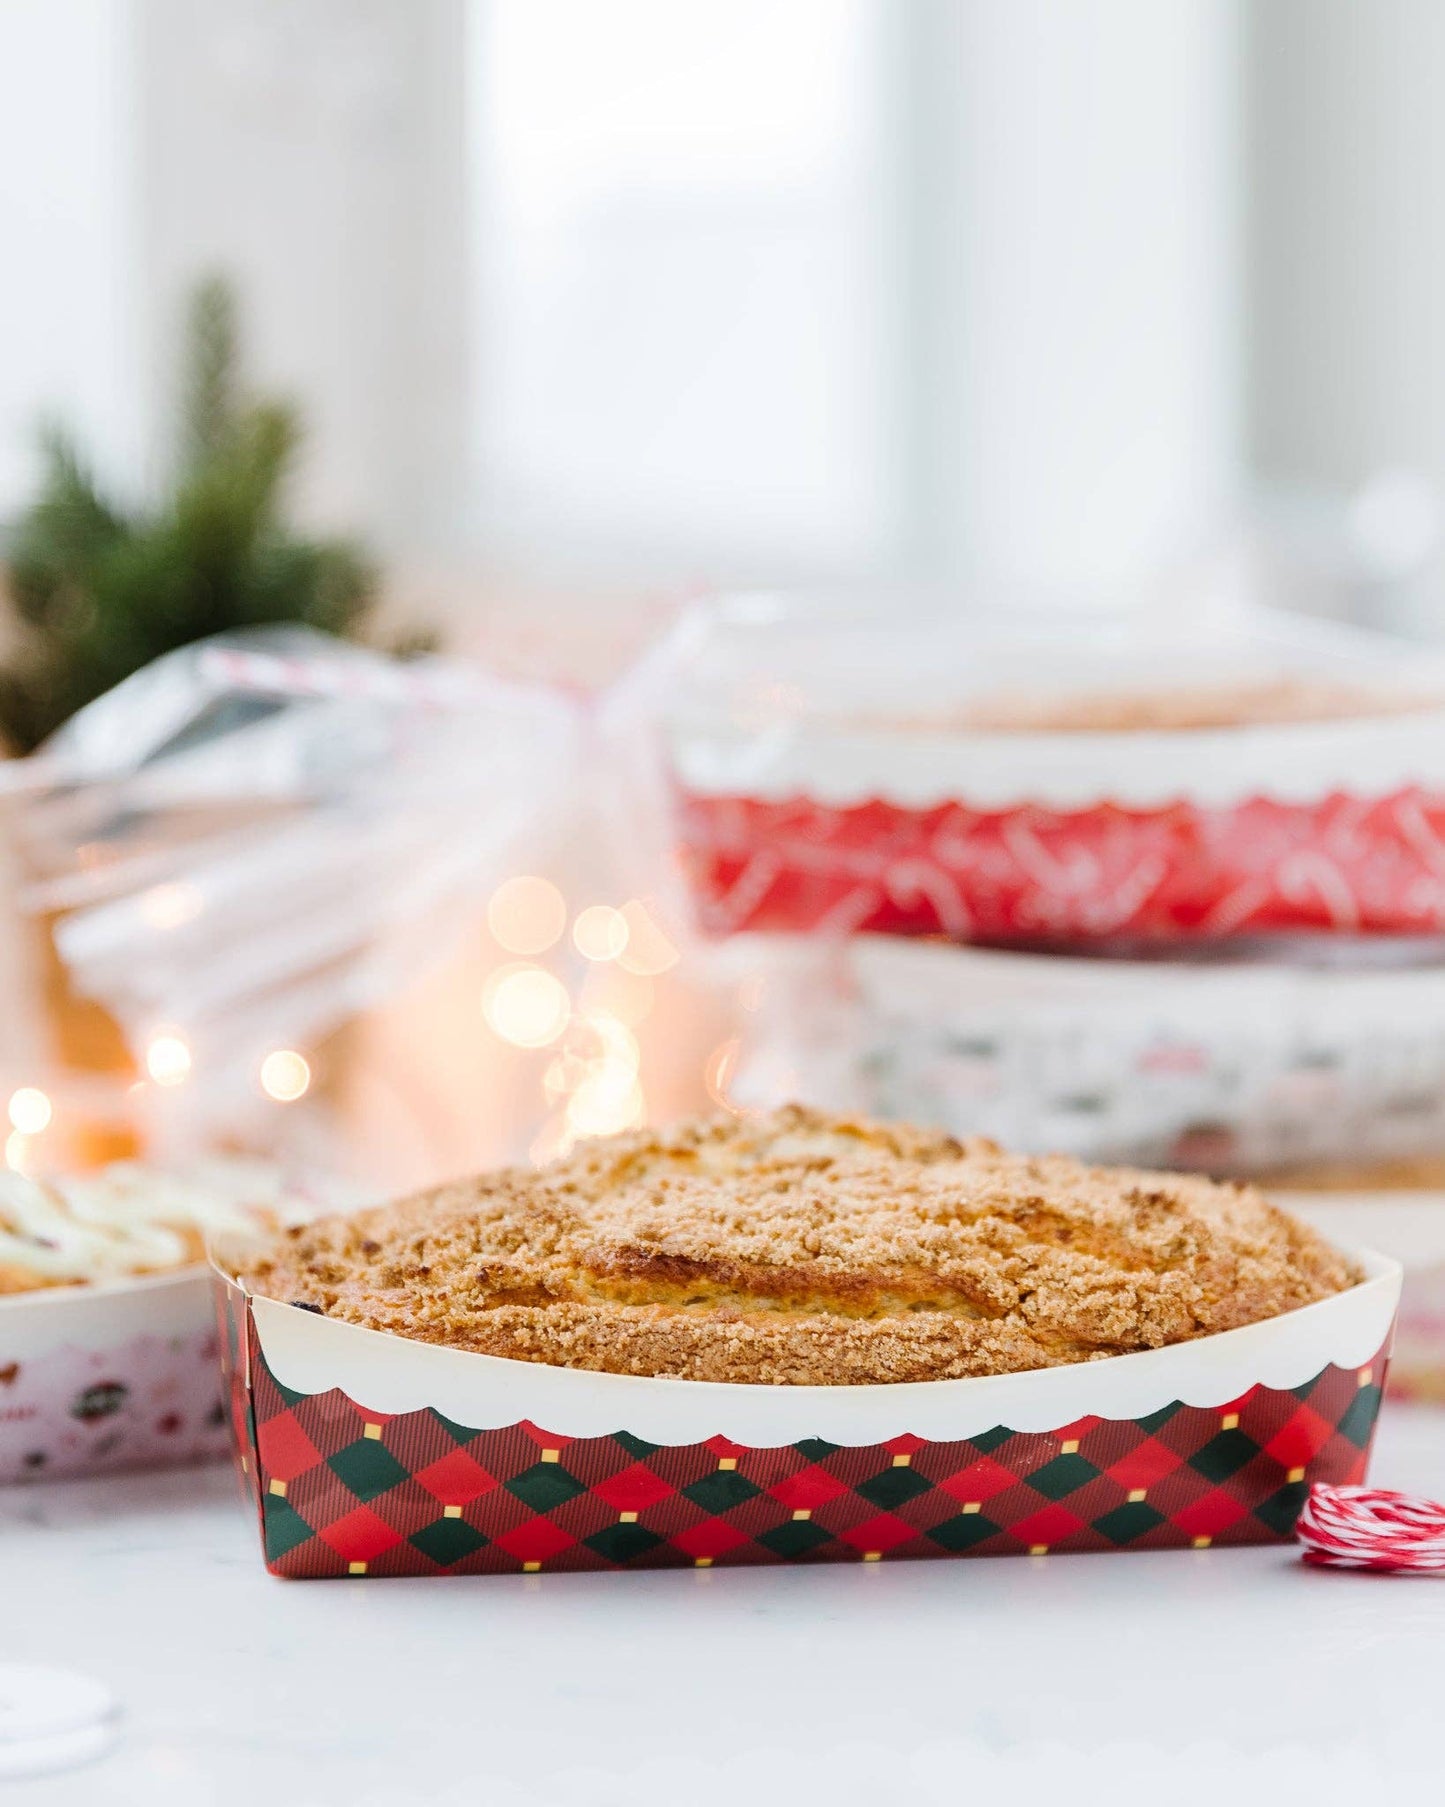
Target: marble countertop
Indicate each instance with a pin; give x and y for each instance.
(1083, 1678)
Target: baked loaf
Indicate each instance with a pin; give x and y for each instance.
(799, 1249)
(1269, 703)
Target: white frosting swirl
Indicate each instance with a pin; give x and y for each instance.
(131, 1219)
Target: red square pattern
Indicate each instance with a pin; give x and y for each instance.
(486, 1502)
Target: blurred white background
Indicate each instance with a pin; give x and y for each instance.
(945, 291)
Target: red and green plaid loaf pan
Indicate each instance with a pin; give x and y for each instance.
(373, 1455)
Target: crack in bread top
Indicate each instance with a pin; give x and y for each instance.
(799, 1248)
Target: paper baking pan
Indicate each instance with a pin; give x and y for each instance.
(119, 1375)
(369, 1454)
(824, 779)
(1241, 1066)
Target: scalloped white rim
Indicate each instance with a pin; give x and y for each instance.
(1292, 763)
(104, 1316)
(389, 1374)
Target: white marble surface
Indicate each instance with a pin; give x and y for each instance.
(1111, 1678)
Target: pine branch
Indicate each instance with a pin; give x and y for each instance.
(209, 397)
(103, 593)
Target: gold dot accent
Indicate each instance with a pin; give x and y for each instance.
(451, 1511)
(727, 1462)
(373, 1432)
(1201, 1543)
(973, 1505)
(702, 1562)
(1367, 1375)
(800, 1517)
(1071, 1448)
(1295, 1474)
(1229, 1422)
(1135, 1495)
(356, 1568)
(903, 1461)
(551, 1455)
(1038, 1549)
(278, 1488)
(873, 1556)
(530, 1568)
(245, 1465)
(627, 1518)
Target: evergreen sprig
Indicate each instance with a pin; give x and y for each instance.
(101, 591)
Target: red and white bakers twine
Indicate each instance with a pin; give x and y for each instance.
(1372, 1528)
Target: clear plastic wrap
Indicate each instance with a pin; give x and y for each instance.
(255, 838)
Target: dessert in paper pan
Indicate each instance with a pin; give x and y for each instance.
(1068, 782)
(794, 1338)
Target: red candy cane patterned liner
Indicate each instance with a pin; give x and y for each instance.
(1372, 1528)
(828, 780)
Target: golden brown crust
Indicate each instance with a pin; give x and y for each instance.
(802, 1249)
(1178, 709)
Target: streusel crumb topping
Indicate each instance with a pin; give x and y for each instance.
(802, 1249)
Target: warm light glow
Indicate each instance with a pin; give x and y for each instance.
(565, 1072)
(527, 915)
(718, 1074)
(604, 1104)
(170, 906)
(648, 951)
(285, 1075)
(600, 932)
(168, 1059)
(553, 1140)
(16, 1149)
(617, 1044)
(611, 991)
(30, 1111)
(526, 1005)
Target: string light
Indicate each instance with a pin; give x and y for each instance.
(527, 915)
(168, 1059)
(285, 1075)
(526, 1005)
(16, 1149)
(30, 1110)
(600, 932)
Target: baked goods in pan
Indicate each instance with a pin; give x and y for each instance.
(125, 1220)
(802, 1249)
(1272, 702)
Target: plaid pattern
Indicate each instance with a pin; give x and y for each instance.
(344, 1491)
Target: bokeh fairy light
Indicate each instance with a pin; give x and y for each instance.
(168, 1058)
(527, 915)
(30, 1111)
(526, 1005)
(589, 1017)
(285, 1075)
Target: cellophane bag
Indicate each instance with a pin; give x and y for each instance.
(256, 838)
